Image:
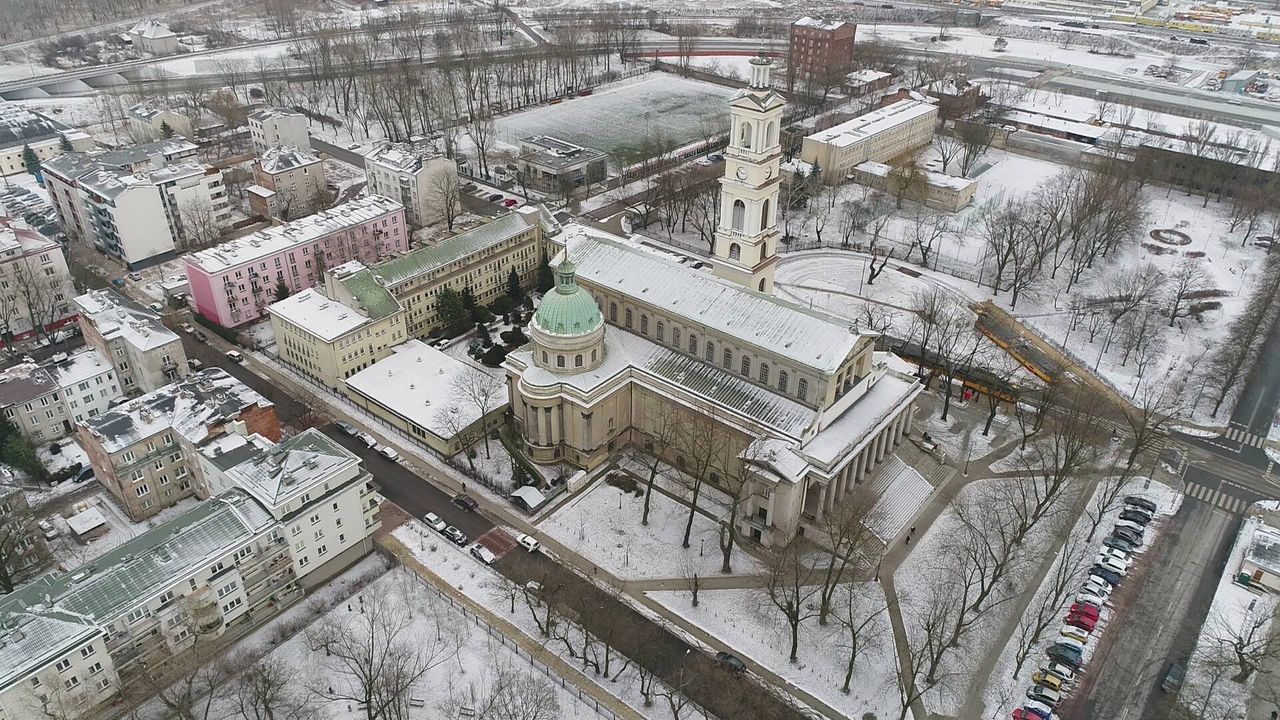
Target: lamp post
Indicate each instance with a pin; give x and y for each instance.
(702, 546)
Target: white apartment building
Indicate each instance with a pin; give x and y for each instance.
(31, 400)
(154, 37)
(418, 178)
(62, 174)
(145, 354)
(146, 122)
(88, 383)
(295, 178)
(21, 128)
(35, 283)
(144, 218)
(878, 136)
(270, 127)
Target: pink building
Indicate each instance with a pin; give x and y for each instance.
(232, 283)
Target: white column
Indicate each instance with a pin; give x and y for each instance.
(862, 466)
(828, 497)
(879, 446)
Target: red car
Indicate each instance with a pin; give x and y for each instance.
(1085, 609)
(510, 202)
(1083, 622)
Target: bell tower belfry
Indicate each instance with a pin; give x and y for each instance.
(746, 241)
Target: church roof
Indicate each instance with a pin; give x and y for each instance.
(804, 336)
(568, 309)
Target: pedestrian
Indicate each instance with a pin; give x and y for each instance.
(907, 541)
(913, 530)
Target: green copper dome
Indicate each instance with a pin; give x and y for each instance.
(568, 310)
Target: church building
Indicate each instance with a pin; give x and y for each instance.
(633, 347)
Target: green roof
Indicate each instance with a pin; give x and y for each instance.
(568, 310)
(426, 259)
(375, 300)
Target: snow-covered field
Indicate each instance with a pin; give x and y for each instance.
(619, 118)
(69, 453)
(602, 524)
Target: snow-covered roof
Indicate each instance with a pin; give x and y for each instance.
(152, 30)
(401, 157)
(935, 179)
(86, 521)
(20, 126)
(850, 428)
(81, 366)
(416, 383)
(110, 182)
(73, 164)
(260, 191)
(807, 337)
(819, 24)
(429, 258)
(280, 472)
(18, 240)
(23, 383)
(116, 316)
(268, 113)
(285, 157)
(874, 122)
(1044, 122)
(1264, 549)
(278, 238)
(147, 112)
(865, 76)
(189, 407)
(312, 311)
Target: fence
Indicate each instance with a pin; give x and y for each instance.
(953, 266)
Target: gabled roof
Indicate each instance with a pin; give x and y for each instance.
(424, 260)
(116, 316)
(293, 466)
(371, 296)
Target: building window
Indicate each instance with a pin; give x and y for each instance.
(662, 332)
(709, 351)
(627, 317)
(764, 372)
(693, 344)
(739, 217)
(63, 665)
(764, 215)
(142, 490)
(87, 651)
(802, 389)
(675, 337)
(613, 312)
(559, 361)
(644, 324)
(577, 360)
(728, 358)
(735, 251)
(782, 380)
(746, 366)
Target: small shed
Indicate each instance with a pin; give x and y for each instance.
(528, 498)
(88, 524)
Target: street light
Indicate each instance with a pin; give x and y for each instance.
(702, 546)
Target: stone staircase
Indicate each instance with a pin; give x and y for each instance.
(902, 492)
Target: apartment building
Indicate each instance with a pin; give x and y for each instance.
(146, 355)
(330, 340)
(556, 168)
(480, 258)
(21, 128)
(88, 383)
(141, 450)
(62, 174)
(878, 136)
(147, 122)
(420, 178)
(819, 52)
(233, 283)
(24, 546)
(271, 127)
(286, 517)
(936, 190)
(294, 180)
(35, 283)
(143, 218)
(31, 400)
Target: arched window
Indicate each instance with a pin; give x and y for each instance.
(746, 366)
(735, 251)
(782, 380)
(728, 358)
(709, 352)
(693, 344)
(559, 361)
(761, 284)
(662, 331)
(627, 317)
(613, 312)
(764, 372)
(771, 135)
(802, 389)
(577, 360)
(739, 214)
(744, 136)
(644, 324)
(675, 337)
(544, 357)
(593, 356)
(764, 214)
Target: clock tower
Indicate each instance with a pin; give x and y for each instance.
(746, 242)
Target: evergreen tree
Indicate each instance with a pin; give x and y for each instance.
(64, 144)
(30, 160)
(468, 299)
(514, 291)
(282, 290)
(165, 130)
(452, 312)
(546, 278)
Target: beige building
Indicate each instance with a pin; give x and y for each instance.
(32, 401)
(146, 122)
(295, 179)
(418, 177)
(480, 258)
(35, 283)
(146, 355)
(270, 127)
(21, 128)
(877, 136)
(935, 189)
(142, 450)
(329, 340)
(154, 37)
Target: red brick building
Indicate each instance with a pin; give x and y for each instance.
(821, 52)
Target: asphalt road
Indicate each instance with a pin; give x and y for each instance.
(1160, 610)
(1259, 398)
(723, 693)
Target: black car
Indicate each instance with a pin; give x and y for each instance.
(725, 660)
(1140, 502)
(1110, 576)
(1173, 677)
(1066, 655)
(1129, 534)
(458, 537)
(466, 502)
(84, 474)
(1120, 543)
(494, 197)
(201, 336)
(1135, 516)
(468, 187)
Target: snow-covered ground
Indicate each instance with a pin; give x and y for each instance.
(602, 524)
(746, 621)
(71, 553)
(69, 453)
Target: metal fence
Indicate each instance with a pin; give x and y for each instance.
(902, 249)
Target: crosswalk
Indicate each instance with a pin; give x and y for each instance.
(1217, 498)
(1244, 437)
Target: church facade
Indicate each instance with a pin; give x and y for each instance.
(634, 348)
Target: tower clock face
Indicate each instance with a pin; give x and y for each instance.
(768, 173)
(742, 173)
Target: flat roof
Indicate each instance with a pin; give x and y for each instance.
(874, 122)
(116, 316)
(416, 383)
(311, 310)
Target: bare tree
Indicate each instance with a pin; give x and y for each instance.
(849, 540)
(512, 694)
(199, 227)
(1187, 283)
(948, 147)
(1054, 595)
(790, 587)
(701, 442)
(447, 196)
(268, 690)
(20, 546)
(1246, 639)
(480, 393)
(662, 431)
(857, 607)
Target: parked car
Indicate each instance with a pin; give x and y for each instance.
(1059, 670)
(156, 307)
(1173, 677)
(1121, 543)
(118, 282)
(1137, 516)
(1086, 609)
(1045, 695)
(135, 276)
(368, 439)
(1098, 586)
(201, 336)
(194, 364)
(528, 543)
(533, 587)
(483, 554)
(1041, 677)
(468, 187)
(47, 529)
(510, 202)
(1140, 502)
(1084, 622)
(493, 197)
(703, 162)
(235, 356)
(725, 660)
(434, 522)
(1065, 655)
(187, 327)
(1128, 533)
(1038, 710)
(466, 502)
(715, 157)
(346, 428)
(1071, 632)
(389, 453)
(1068, 641)
(1114, 564)
(1091, 598)
(1023, 713)
(1107, 574)
(1116, 553)
(86, 473)
(458, 537)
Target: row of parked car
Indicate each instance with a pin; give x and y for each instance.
(1052, 682)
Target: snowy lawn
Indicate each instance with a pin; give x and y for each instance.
(72, 553)
(69, 453)
(602, 524)
(746, 621)
(960, 435)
